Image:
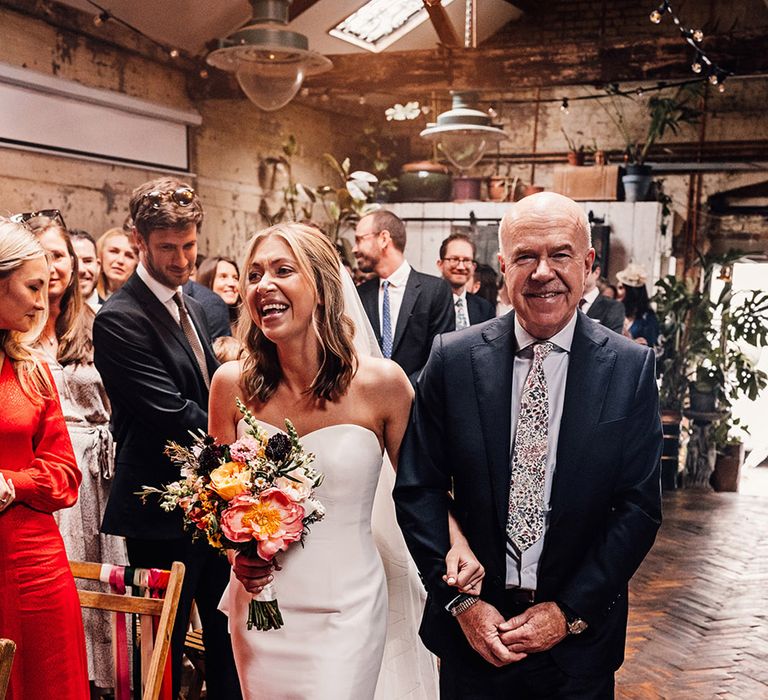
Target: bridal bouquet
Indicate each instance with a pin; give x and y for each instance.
(254, 496)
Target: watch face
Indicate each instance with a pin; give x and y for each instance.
(577, 626)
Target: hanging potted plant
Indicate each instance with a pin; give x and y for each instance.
(664, 114)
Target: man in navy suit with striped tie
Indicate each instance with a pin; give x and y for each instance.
(407, 309)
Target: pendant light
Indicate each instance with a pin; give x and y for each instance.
(463, 133)
(269, 61)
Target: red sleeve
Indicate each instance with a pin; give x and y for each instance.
(52, 479)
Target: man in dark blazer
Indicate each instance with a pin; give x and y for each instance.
(407, 309)
(545, 427)
(602, 309)
(456, 264)
(152, 349)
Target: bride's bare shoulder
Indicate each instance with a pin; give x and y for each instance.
(377, 374)
(228, 377)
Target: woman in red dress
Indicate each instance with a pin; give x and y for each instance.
(39, 609)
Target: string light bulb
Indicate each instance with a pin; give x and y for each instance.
(204, 73)
(102, 17)
(713, 78)
(697, 35)
(564, 106)
(655, 17)
(721, 86)
(696, 66)
(173, 53)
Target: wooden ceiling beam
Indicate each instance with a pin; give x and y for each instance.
(299, 6)
(442, 23)
(503, 68)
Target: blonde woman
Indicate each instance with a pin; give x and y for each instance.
(300, 362)
(119, 257)
(38, 476)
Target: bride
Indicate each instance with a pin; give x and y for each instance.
(300, 363)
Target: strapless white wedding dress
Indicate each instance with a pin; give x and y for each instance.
(333, 596)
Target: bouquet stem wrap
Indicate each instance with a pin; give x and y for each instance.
(263, 611)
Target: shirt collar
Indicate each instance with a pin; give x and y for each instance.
(563, 339)
(591, 295)
(163, 293)
(400, 276)
(463, 296)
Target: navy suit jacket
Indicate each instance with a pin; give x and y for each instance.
(427, 310)
(479, 309)
(215, 308)
(157, 394)
(609, 312)
(605, 501)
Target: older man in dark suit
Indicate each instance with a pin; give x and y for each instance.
(545, 427)
(152, 349)
(407, 309)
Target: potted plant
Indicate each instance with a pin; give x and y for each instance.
(576, 152)
(664, 114)
(703, 344)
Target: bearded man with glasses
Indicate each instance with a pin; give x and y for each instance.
(153, 351)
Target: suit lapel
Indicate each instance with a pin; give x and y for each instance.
(492, 365)
(412, 292)
(589, 371)
(594, 310)
(160, 315)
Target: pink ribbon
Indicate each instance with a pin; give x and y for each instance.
(122, 669)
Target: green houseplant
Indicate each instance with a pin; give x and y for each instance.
(665, 113)
(703, 364)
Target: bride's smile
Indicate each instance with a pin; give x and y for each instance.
(280, 297)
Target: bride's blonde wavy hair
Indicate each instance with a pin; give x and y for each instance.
(318, 261)
(17, 246)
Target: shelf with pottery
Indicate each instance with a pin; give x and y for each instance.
(635, 230)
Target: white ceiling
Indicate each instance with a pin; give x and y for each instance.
(190, 24)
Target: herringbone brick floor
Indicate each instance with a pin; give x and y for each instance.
(698, 625)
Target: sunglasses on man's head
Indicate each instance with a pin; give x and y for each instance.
(52, 214)
(183, 196)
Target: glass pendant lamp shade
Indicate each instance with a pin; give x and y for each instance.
(269, 62)
(463, 133)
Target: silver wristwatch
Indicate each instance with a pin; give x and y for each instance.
(462, 604)
(573, 624)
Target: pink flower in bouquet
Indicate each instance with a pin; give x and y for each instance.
(246, 450)
(231, 479)
(271, 518)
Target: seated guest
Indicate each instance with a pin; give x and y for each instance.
(88, 265)
(222, 276)
(66, 344)
(118, 257)
(226, 348)
(39, 608)
(641, 323)
(456, 264)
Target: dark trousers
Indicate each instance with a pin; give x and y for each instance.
(205, 578)
(537, 677)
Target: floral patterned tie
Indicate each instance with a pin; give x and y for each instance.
(525, 521)
(461, 315)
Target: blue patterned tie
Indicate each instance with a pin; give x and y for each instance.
(386, 323)
(461, 315)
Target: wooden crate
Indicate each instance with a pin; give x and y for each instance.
(587, 183)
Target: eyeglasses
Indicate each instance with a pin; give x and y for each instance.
(364, 236)
(455, 262)
(52, 214)
(183, 196)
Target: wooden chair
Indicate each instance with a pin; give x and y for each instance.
(162, 610)
(7, 650)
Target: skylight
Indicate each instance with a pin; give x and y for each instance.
(380, 23)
